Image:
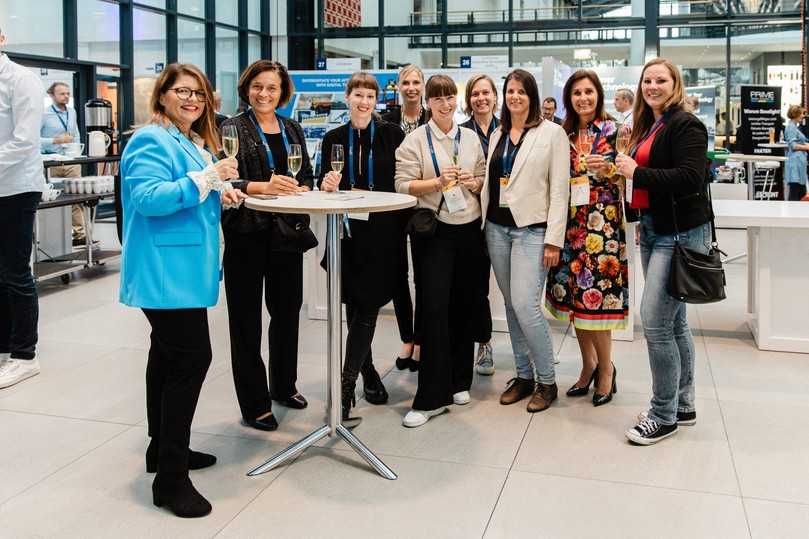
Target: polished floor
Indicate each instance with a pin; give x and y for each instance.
(72, 442)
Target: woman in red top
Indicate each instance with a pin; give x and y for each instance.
(666, 179)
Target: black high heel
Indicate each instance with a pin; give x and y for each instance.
(403, 363)
(576, 391)
(600, 400)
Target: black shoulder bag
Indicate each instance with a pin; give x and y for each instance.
(695, 277)
(423, 222)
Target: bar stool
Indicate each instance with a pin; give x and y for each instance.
(769, 169)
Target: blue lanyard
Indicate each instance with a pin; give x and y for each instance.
(455, 148)
(509, 156)
(64, 121)
(484, 138)
(270, 160)
(370, 169)
(651, 132)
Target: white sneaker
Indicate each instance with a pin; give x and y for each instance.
(461, 398)
(14, 371)
(417, 418)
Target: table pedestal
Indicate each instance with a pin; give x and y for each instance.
(333, 426)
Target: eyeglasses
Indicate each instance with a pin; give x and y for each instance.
(185, 93)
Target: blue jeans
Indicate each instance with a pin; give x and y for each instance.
(19, 303)
(668, 338)
(516, 255)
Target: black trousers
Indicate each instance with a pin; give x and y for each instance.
(796, 191)
(250, 266)
(179, 357)
(361, 327)
(483, 321)
(19, 302)
(402, 302)
(449, 294)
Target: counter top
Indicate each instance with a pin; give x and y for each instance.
(761, 213)
(337, 202)
(748, 157)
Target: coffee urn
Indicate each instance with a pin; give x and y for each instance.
(98, 117)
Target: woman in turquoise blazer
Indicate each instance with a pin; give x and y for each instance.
(172, 193)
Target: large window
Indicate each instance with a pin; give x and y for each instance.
(192, 7)
(150, 58)
(227, 11)
(98, 30)
(33, 27)
(254, 14)
(191, 42)
(227, 68)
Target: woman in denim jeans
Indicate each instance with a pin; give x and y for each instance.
(524, 205)
(665, 180)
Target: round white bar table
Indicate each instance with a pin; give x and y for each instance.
(334, 205)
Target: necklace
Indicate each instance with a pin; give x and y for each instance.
(408, 126)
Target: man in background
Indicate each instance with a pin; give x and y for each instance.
(549, 110)
(217, 102)
(21, 186)
(59, 127)
(624, 101)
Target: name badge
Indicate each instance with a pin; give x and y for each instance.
(579, 191)
(359, 216)
(502, 197)
(454, 199)
(628, 192)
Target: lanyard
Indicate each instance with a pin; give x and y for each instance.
(508, 156)
(270, 160)
(64, 121)
(655, 128)
(484, 138)
(370, 169)
(455, 149)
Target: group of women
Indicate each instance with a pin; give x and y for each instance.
(544, 205)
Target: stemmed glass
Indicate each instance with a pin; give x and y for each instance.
(337, 158)
(622, 139)
(584, 146)
(295, 159)
(230, 140)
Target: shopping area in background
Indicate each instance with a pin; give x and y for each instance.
(319, 105)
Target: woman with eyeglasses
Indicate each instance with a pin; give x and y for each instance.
(371, 259)
(172, 193)
(264, 251)
(442, 164)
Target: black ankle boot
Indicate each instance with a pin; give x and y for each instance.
(179, 496)
(372, 386)
(349, 400)
(196, 460)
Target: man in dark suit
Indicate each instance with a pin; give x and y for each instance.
(549, 110)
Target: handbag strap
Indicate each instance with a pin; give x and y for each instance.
(714, 243)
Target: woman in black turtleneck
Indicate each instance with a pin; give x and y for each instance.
(371, 257)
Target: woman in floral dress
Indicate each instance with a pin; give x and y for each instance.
(589, 285)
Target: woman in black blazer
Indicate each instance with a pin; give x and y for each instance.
(371, 257)
(666, 179)
(260, 252)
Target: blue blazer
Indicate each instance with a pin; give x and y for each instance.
(170, 256)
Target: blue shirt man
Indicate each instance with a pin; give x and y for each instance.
(59, 125)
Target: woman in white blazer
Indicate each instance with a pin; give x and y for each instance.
(443, 165)
(524, 211)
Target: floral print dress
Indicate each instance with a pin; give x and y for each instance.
(589, 286)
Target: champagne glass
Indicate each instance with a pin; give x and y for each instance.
(337, 158)
(584, 145)
(622, 141)
(230, 140)
(295, 159)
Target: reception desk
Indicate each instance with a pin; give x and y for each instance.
(777, 269)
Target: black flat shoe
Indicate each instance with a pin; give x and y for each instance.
(196, 460)
(296, 401)
(268, 423)
(576, 391)
(600, 400)
(372, 386)
(182, 499)
(403, 363)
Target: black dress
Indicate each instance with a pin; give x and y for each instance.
(371, 256)
(257, 262)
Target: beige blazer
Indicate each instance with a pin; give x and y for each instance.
(538, 191)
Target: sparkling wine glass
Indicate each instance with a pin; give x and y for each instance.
(295, 159)
(230, 140)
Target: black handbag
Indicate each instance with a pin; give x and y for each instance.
(423, 222)
(291, 234)
(696, 277)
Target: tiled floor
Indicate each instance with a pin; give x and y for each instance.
(72, 443)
